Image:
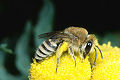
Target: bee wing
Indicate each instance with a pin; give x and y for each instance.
(49, 34)
(54, 35)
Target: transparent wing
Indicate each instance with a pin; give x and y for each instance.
(48, 35)
(54, 35)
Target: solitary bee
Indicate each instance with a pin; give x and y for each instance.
(77, 38)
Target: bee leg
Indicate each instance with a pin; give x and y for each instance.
(81, 56)
(58, 54)
(72, 54)
(57, 64)
(95, 58)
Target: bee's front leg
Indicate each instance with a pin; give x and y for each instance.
(70, 50)
(95, 58)
(81, 55)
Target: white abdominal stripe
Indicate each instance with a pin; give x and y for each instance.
(45, 49)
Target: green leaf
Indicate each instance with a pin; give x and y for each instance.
(3, 47)
(4, 75)
(22, 52)
(45, 21)
(2, 58)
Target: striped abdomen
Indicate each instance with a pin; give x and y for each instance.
(46, 49)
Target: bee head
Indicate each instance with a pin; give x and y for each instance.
(89, 44)
(88, 47)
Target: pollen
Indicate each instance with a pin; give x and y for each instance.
(64, 47)
(107, 68)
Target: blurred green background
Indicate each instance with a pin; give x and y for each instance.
(21, 22)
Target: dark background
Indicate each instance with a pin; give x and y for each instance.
(100, 17)
(97, 16)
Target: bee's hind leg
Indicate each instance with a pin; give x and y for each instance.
(58, 54)
(70, 50)
(57, 64)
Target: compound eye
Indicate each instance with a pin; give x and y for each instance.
(88, 46)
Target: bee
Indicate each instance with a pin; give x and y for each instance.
(77, 38)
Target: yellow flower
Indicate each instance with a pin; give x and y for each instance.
(107, 68)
